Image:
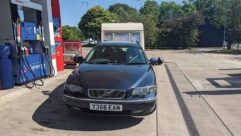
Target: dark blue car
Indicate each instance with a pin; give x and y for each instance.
(114, 78)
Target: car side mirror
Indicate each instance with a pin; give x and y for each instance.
(79, 59)
(156, 61)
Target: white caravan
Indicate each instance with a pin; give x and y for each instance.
(123, 32)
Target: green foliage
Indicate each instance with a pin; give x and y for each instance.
(188, 8)
(149, 17)
(72, 33)
(151, 30)
(90, 23)
(150, 7)
(169, 11)
(181, 32)
(168, 24)
(179, 25)
(212, 10)
(221, 12)
(172, 10)
(124, 12)
(234, 21)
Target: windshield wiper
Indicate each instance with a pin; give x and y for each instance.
(136, 63)
(106, 62)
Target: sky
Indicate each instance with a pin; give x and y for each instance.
(73, 10)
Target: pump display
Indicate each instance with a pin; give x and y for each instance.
(29, 31)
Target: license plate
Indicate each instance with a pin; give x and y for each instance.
(105, 107)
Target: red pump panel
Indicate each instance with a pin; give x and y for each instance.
(71, 49)
(58, 35)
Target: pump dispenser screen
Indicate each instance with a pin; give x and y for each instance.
(29, 31)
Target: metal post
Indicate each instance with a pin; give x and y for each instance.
(225, 25)
(225, 21)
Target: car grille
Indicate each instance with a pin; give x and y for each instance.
(106, 93)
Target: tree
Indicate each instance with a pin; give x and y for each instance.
(149, 17)
(151, 30)
(179, 24)
(150, 8)
(124, 12)
(181, 32)
(72, 33)
(90, 23)
(212, 10)
(169, 11)
(223, 13)
(188, 8)
(172, 10)
(234, 22)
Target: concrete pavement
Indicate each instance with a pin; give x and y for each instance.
(170, 119)
(42, 112)
(198, 94)
(210, 86)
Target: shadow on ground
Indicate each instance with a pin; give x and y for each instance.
(231, 69)
(231, 52)
(70, 66)
(229, 82)
(53, 114)
(232, 81)
(215, 92)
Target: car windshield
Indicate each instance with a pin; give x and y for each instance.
(128, 55)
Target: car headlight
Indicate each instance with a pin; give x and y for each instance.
(73, 88)
(144, 91)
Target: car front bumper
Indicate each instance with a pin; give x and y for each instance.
(130, 107)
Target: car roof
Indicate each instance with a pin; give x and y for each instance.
(117, 44)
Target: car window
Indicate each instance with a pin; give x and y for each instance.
(128, 55)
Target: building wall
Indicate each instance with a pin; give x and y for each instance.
(210, 36)
(6, 30)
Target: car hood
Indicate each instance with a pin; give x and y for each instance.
(113, 76)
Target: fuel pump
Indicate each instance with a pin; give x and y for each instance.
(32, 61)
(45, 48)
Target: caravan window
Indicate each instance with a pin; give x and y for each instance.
(108, 37)
(135, 37)
(122, 37)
